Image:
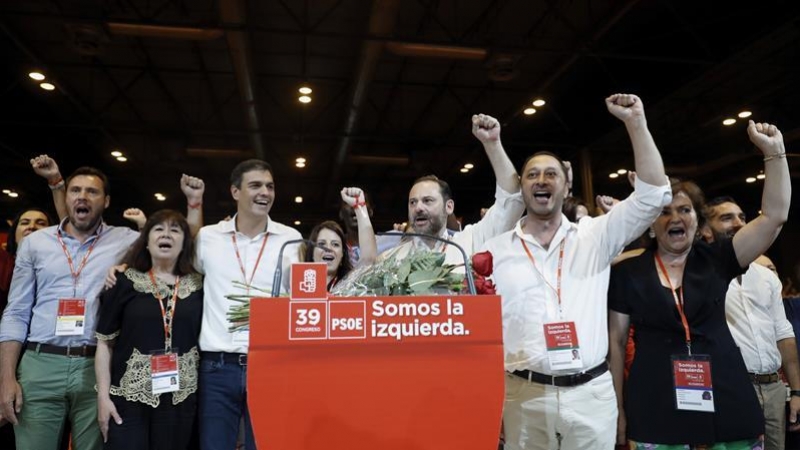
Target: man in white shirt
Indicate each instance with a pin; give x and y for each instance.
(237, 257)
(553, 278)
(757, 320)
(430, 201)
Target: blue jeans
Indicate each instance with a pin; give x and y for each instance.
(223, 402)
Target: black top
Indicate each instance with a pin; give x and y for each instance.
(129, 313)
(652, 417)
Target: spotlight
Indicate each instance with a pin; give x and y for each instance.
(728, 122)
(529, 111)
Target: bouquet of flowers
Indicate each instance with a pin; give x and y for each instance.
(421, 272)
(239, 313)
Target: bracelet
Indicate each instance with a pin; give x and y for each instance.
(57, 182)
(58, 185)
(794, 393)
(195, 205)
(776, 155)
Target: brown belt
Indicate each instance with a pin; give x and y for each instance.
(765, 378)
(81, 351)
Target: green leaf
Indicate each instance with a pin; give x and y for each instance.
(422, 281)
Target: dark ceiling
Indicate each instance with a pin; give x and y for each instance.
(195, 86)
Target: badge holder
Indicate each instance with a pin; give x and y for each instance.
(71, 317)
(691, 376)
(164, 374)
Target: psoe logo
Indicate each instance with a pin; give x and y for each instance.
(309, 283)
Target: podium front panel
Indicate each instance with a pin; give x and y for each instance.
(410, 373)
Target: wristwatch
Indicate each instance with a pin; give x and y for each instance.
(794, 393)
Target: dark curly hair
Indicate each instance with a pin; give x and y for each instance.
(138, 257)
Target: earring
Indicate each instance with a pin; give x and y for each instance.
(652, 233)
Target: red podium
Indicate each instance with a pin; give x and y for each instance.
(389, 373)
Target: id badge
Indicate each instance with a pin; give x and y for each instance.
(71, 317)
(563, 352)
(164, 372)
(692, 381)
(241, 337)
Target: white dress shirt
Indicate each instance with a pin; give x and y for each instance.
(500, 218)
(216, 259)
(589, 247)
(756, 318)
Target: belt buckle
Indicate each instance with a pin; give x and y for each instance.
(243, 360)
(69, 352)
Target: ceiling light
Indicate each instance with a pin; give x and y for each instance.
(745, 114)
(47, 86)
(300, 160)
(305, 90)
(298, 199)
(468, 166)
(121, 158)
(297, 222)
(300, 165)
(464, 170)
(304, 99)
(13, 194)
(38, 76)
(728, 122)
(529, 111)
(538, 103)
(116, 153)
(750, 179)
(6, 191)
(613, 175)
(622, 171)
(761, 176)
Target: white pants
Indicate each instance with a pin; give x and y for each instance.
(585, 416)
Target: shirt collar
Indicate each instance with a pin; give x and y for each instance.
(62, 228)
(561, 234)
(229, 226)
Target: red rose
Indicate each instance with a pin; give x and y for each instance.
(484, 286)
(482, 263)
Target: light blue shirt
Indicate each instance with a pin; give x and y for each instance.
(42, 276)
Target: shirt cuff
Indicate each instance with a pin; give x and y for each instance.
(655, 196)
(13, 331)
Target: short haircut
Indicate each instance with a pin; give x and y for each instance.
(716, 201)
(246, 166)
(696, 196)
(546, 153)
(444, 188)
(345, 266)
(138, 257)
(92, 172)
(11, 242)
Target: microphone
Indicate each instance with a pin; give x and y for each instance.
(276, 279)
(467, 271)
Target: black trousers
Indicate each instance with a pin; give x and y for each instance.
(167, 427)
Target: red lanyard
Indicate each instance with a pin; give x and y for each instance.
(558, 272)
(76, 274)
(167, 315)
(241, 265)
(678, 303)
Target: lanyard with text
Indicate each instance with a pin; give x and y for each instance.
(241, 264)
(168, 314)
(557, 289)
(76, 273)
(678, 296)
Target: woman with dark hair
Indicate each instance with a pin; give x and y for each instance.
(330, 240)
(674, 295)
(26, 222)
(147, 341)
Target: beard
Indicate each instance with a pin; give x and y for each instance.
(86, 225)
(433, 227)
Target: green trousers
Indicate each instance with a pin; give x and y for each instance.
(54, 388)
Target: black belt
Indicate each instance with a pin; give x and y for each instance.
(563, 380)
(765, 378)
(227, 358)
(82, 351)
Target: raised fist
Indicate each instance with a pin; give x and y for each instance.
(353, 196)
(136, 216)
(485, 128)
(192, 188)
(605, 202)
(46, 167)
(766, 137)
(625, 107)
